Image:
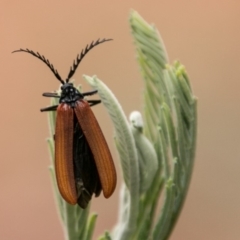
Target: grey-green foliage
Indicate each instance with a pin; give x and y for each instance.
(147, 157)
(128, 156)
(170, 124)
(156, 155)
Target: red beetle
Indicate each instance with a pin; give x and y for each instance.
(83, 162)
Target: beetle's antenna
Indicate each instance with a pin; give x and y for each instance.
(41, 57)
(82, 55)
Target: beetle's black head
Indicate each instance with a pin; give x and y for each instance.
(69, 94)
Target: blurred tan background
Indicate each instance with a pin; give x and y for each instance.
(203, 34)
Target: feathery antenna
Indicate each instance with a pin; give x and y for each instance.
(41, 57)
(82, 55)
(75, 62)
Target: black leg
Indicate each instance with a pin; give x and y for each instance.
(93, 102)
(51, 108)
(55, 95)
(89, 93)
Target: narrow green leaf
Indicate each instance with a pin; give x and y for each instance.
(90, 227)
(129, 163)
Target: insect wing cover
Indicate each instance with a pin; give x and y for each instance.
(64, 153)
(98, 146)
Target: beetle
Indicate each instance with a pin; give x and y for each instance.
(83, 162)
